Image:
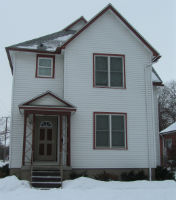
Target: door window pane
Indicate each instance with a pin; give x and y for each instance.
(41, 149)
(42, 134)
(49, 149)
(49, 134)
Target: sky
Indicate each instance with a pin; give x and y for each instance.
(22, 20)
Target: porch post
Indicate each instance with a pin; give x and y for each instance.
(24, 138)
(61, 140)
(33, 132)
(68, 140)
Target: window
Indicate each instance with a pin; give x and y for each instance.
(110, 130)
(168, 143)
(45, 66)
(109, 70)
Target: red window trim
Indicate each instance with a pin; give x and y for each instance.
(44, 56)
(126, 134)
(124, 76)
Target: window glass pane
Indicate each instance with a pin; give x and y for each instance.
(116, 79)
(101, 63)
(45, 62)
(44, 71)
(102, 122)
(117, 122)
(101, 78)
(118, 139)
(102, 139)
(116, 64)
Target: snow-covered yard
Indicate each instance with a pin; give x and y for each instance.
(89, 189)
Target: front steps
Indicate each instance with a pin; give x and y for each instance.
(46, 178)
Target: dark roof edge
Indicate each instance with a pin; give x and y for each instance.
(110, 7)
(75, 22)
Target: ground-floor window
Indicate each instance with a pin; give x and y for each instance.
(110, 130)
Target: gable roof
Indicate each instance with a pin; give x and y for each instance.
(36, 103)
(156, 55)
(169, 129)
(54, 43)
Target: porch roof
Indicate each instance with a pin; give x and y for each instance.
(47, 101)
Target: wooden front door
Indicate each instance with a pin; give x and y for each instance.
(46, 130)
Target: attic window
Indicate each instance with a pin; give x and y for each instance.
(45, 66)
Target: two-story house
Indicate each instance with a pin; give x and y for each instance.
(84, 98)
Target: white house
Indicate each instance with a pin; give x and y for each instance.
(85, 98)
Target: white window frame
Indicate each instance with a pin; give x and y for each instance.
(110, 130)
(39, 66)
(109, 70)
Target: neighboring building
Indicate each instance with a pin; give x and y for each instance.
(84, 97)
(168, 143)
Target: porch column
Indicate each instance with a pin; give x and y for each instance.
(33, 132)
(24, 138)
(68, 140)
(61, 142)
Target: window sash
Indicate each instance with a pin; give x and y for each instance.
(111, 80)
(40, 67)
(112, 133)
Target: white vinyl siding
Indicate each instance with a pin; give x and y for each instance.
(25, 87)
(79, 91)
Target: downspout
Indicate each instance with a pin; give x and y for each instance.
(148, 135)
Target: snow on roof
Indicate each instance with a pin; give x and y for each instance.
(52, 41)
(169, 129)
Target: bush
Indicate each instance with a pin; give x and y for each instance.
(132, 176)
(75, 175)
(106, 177)
(4, 171)
(162, 173)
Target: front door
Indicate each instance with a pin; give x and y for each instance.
(46, 138)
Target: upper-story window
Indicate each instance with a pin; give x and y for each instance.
(109, 70)
(45, 66)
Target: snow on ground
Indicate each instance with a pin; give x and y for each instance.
(89, 189)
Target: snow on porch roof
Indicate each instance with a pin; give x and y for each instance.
(47, 101)
(169, 129)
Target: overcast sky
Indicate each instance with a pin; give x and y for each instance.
(23, 20)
